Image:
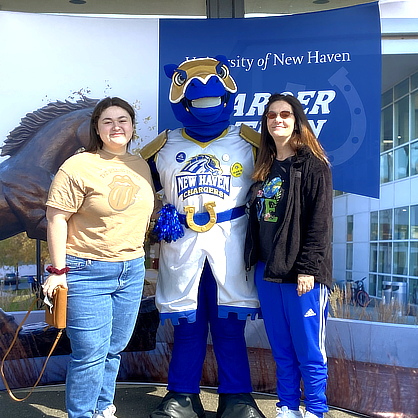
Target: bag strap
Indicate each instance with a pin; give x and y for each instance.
(10, 348)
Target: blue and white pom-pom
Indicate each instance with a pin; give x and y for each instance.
(168, 227)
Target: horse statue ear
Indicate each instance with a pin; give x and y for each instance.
(170, 69)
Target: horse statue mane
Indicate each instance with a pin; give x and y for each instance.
(36, 148)
(34, 121)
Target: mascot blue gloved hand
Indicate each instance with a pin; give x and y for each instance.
(204, 172)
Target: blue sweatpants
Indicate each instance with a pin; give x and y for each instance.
(295, 328)
(190, 341)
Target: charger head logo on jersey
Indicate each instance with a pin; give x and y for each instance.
(202, 174)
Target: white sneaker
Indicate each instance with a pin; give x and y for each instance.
(310, 415)
(109, 412)
(285, 412)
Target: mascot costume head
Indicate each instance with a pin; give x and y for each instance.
(202, 96)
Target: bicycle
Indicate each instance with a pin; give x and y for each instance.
(358, 295)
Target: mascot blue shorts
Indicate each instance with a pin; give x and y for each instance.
(204, 174)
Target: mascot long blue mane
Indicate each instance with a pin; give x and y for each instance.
(204, 174)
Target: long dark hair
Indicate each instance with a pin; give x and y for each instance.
(302, 135)
(96, 142)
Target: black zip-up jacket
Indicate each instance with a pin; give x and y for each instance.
(302, 243)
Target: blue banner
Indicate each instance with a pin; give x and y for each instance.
(330, 60)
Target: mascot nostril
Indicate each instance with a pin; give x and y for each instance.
(204, 173)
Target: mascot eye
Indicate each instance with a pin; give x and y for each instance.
(179, 79)
(223, 71)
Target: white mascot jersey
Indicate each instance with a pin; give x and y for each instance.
(194, 173)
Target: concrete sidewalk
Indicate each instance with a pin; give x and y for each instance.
(132, 401)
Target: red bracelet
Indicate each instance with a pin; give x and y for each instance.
(54, 270)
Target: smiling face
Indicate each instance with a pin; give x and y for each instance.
(115, 129)
(281, 128)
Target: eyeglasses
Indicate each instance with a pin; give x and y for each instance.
(284, 114)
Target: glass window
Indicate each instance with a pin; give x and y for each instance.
(414, 81)
(386, 129)
(414, 158)
(349, 256)
(414, 222)
(401, 162)
(387, 97)
(401, 89)
(401, 227)
(414, 114)
(374, 225)
(350, 228)
(386, 165)
(372, 284)
(385, 257)
(373, 257)
(385, 224)
(402, 121)
(400, 258)
(413, 291)
(380, 280)
(413, 259)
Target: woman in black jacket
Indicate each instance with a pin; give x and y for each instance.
(289, 240)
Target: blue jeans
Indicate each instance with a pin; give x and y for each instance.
(102, 308)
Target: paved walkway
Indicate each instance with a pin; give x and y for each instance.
(132, 401)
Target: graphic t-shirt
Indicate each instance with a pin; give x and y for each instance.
(111, 198)
(271, 204)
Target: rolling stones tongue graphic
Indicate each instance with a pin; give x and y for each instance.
(123, 192)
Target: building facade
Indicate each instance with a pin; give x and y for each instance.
(378, 238)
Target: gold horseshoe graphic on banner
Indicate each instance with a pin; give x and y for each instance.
(201, 228)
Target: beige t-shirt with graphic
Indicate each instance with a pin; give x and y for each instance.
(111, 198)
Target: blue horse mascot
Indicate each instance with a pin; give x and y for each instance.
(204, 173)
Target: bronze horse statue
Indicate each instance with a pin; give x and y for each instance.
(37, 147)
